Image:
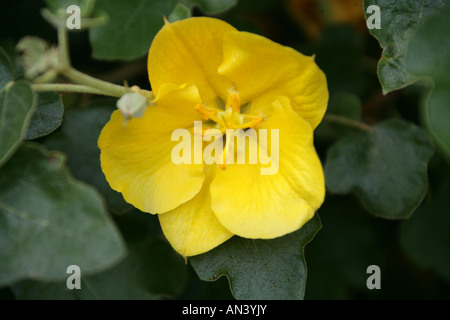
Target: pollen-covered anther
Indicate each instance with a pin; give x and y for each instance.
(206, 114)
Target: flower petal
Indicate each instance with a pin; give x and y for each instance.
(136, 158)
(192, 228)
(252, 205)
(261, 70)
(190, 51)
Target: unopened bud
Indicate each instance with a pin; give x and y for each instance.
(132, 105)
(37, 56)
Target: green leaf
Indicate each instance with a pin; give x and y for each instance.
(49, 221)
(47, 117)
(180, 12)
(78, 140)
(86, 6)
(399, 22)
(131, 28)
(6, 69)
(428, 58)
(138, 277)
(347, 244)
(134, 23)
(57, 13)
(343, 104)
(152, 270)
(17, 104)
(210, 6)
(386, 168)
(425, 236)
(260, 269)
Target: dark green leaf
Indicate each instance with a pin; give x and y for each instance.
(425, 236)
(47, 117)
(86, 6)
(179, 12)
(134, 23)
(428, 57)
(343, 104)
(138, 277)
(131, 28)
(17, 104)
(399, 22)
(210, 6)
(386, 167)
(347, 244)
(78, 140)
(6, 69)
(49, 221)
(260, 269)
(152, 270)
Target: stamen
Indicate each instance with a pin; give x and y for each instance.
(203, 111)
(254, 123)
(208, 113)
(234, 103)
(227, 118)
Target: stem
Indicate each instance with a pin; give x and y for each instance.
(83, 83)
(47, 76)
(106, 87)
(81, 78)
(347, 122)
(63, 47)
(67, 87)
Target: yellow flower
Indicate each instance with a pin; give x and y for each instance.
(203, 69)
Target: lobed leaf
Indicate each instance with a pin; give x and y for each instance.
(428, 58)
(47, 117)
(49, 221)
(260, 269)
(386, 168)
(151, 271)
(399, 22)
(425, 236)
(134, 23)
(78, 140)
(17, 104)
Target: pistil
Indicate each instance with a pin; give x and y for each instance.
(230, 118)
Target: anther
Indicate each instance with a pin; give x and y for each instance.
(206, 114)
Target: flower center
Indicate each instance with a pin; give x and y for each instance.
(228, 118)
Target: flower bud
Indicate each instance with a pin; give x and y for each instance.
(132, 105)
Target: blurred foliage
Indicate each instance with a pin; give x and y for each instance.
(387, 201)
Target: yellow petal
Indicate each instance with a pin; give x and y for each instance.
(252, 205)
(192, 228)
(136, 158)
(262, 70)
(190, 51)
